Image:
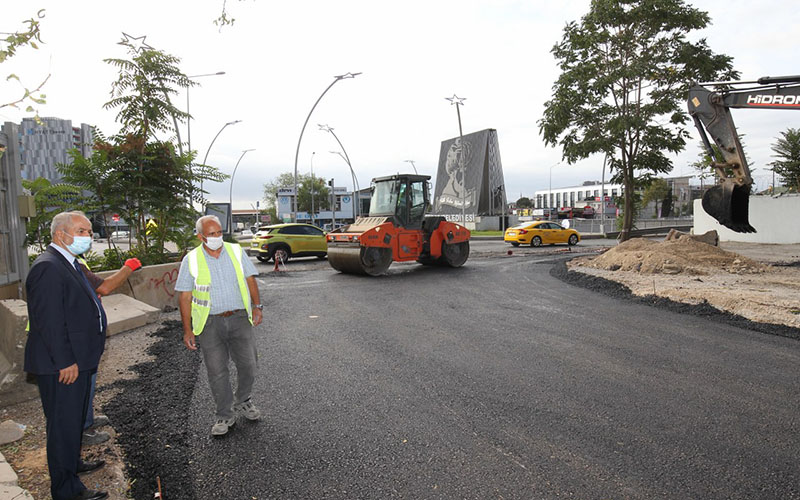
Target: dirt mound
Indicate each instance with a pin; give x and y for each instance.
(681, 256)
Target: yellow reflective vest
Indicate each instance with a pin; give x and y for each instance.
(201, 291)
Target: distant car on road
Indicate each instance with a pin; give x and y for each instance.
(116, 235)
(284, 241)
(328, 227)
(538, 233)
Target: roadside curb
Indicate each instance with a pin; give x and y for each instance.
(8, 482)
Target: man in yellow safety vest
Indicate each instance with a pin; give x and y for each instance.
(219, 304)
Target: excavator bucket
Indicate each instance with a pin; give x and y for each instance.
(729, 204)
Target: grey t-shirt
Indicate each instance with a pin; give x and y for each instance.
(225, 294)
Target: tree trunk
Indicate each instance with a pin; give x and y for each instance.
(627, 215)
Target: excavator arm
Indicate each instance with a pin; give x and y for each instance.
(729, 201)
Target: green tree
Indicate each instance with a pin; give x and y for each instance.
(156, 179)
(49, 199)
(304, 184)
(99, 176)
(656, 191)
(524, 202)
(623, 84)
(787, 152)
(28, 37)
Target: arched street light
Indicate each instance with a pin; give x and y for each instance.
(230, 193)
(297, 152)
(189, 119)
(346, 158)
(412, 164)
(209, 150)
(355, 182)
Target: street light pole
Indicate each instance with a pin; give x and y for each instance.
(312, 186)
(189, 119)
(189, 123)
(209, 149)
(346, 158)
(412, 164)
(355, 181)
(297, 152)
(230, 193)
(550, 194)
(459, 101)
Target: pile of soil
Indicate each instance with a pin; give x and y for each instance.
(695, 273)
(683, 255)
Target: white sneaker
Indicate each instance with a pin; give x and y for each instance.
(248, 410)
(221, 426)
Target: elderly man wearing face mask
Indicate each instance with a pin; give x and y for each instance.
(64, 345)
(219, 304)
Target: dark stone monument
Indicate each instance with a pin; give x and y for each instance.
(478, 187)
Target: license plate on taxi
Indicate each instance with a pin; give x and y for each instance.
(512, 233)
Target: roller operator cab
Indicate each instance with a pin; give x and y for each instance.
(397, 229)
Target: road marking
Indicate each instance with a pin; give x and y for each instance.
(283, 283)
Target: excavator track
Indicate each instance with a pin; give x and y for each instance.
(355, 259)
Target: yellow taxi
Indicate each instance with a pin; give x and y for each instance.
(538, 233)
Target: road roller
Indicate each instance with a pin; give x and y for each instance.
(397, 229)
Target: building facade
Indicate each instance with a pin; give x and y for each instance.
(344, 208)
(44, 145)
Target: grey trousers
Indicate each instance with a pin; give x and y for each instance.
(224, 339)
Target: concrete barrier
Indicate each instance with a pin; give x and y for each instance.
(153, 285)
(13, 319)
(775, 220)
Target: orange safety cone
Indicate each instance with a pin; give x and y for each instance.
(276, 268)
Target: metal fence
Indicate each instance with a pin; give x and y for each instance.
(596, 226)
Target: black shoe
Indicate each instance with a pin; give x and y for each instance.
(91, 495)
(92, 437)
(99, 421)
(84, 467)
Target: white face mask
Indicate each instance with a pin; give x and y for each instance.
(214, 242)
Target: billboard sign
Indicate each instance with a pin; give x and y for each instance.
(223, 213)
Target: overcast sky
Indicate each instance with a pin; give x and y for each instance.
(280, 56)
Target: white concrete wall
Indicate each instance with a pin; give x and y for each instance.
(776, 220)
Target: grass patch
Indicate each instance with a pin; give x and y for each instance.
(486, 233)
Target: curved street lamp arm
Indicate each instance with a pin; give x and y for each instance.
(300, 139)
(230, 192)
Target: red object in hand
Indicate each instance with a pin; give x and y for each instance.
(134, 264)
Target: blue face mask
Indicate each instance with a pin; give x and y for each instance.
(79, 244)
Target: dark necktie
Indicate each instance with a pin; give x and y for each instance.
(93, 294)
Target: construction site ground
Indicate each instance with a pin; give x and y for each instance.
(756, 281)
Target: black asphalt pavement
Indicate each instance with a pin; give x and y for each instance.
(495, 380)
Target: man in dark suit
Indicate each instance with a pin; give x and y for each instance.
(65, 342)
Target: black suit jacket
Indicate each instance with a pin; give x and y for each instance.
(64, 320)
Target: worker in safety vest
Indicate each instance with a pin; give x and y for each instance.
(219, 304)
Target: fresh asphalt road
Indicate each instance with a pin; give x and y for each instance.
(497, 380)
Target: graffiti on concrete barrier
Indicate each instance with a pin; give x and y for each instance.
(167, 281)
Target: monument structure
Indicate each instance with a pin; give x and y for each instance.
(470, 178)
